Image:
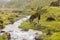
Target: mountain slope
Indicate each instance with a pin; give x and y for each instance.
(26, 3)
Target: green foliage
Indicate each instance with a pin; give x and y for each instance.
(45, 13)
(6, 14)
(54, 12)
(44, 26)
(55, 36)
(27, 25)
(3, 37)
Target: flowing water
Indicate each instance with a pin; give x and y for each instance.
(17, 34)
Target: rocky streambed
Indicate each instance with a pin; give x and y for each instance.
(18, 34)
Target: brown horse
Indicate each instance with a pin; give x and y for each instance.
(36, 15)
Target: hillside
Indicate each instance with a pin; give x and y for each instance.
(16, 19)
(46, 25)
(26, 3)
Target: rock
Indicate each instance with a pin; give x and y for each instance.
(2, 31)
(50, 19)
(25, 30)
(38, 38)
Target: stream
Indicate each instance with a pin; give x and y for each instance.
(17, 34)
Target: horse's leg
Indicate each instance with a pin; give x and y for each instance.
(38, 19)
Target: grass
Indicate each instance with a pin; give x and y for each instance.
(49, 11)
(55, 36)
(29, 26)
(3, 37)
(54, 12)
(44, 26)
(6, 14)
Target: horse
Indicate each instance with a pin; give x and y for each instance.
(35, 15)
(32, 17)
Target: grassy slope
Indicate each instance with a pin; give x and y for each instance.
(27, 4)
(4, 15)
(51, 11)
(44, 26)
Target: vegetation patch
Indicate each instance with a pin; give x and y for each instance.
(3, 37)
(44, 25)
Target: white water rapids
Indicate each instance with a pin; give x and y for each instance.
(17, 34)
